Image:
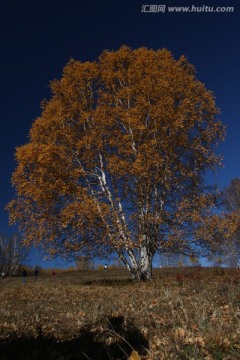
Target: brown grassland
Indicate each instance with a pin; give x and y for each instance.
(181, 314)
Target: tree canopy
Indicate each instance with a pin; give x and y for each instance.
(117, 159)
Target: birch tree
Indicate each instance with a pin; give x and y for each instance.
(116, 161)
(12, 253)
(230, 248)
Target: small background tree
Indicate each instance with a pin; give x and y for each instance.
(84, 263)
(12, 253)
(229, 249)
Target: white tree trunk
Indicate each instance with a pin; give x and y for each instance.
(146, 263)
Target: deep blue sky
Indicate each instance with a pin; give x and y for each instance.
(39, 37)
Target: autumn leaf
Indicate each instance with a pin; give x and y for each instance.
(134, 356)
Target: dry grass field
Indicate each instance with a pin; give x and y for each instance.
(181, 314)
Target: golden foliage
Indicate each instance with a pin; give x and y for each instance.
(134, 356)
